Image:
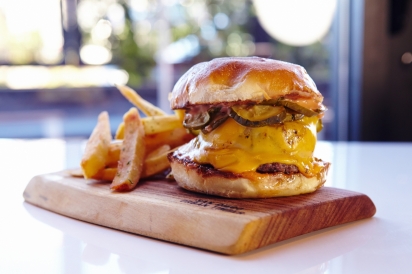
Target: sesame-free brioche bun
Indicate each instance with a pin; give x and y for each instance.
(249, 156)
(244, 79)
(205, 179)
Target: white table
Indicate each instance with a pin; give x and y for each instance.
(33, 240)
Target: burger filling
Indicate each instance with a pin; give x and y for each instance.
(262, 138)
(277, 167)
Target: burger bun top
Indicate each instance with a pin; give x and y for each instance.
(244, 79)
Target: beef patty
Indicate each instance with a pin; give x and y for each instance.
(277, 167)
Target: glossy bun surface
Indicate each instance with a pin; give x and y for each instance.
(253, 79)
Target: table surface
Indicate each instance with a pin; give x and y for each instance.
(33, 240)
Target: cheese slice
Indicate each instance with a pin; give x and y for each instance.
(235, 148)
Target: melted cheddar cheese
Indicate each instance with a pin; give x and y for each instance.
(235, 148)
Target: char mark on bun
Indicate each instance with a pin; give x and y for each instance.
(257, 121)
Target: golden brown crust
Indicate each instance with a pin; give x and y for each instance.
(254, 79)
(204, 179)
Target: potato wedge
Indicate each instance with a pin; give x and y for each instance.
(154, 124)
(132, 154)
(156, 161)
(158, 151)
(106, 174)
(97, 147)
(145, 106)
(173, 138)
(76, 172)
(113, 155)
(119, 132)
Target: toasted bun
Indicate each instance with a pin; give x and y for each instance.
(242, 79)
(205, 179)
(238, 81)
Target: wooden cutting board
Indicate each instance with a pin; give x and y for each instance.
(162, 210)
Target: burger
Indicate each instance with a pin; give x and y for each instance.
(256, 122)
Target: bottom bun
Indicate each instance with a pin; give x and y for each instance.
(206, 179)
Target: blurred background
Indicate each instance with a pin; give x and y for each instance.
(60, 59)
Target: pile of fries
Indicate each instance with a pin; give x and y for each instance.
(139, 148)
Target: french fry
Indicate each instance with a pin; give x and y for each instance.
(113, 155)
(120, 131)
(145, 106)
(158, 151)
(76, 172)
(106, 174)
(132, 154)
(154, 124)
(97, 147)
(156, 161)
(173, 138)
(141, 146)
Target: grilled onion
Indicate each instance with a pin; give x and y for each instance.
(216, 120)
(196, 120)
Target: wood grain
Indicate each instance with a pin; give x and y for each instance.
(162, 210)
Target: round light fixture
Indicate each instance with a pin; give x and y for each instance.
(296, 22)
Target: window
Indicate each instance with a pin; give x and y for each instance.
(70, 52)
